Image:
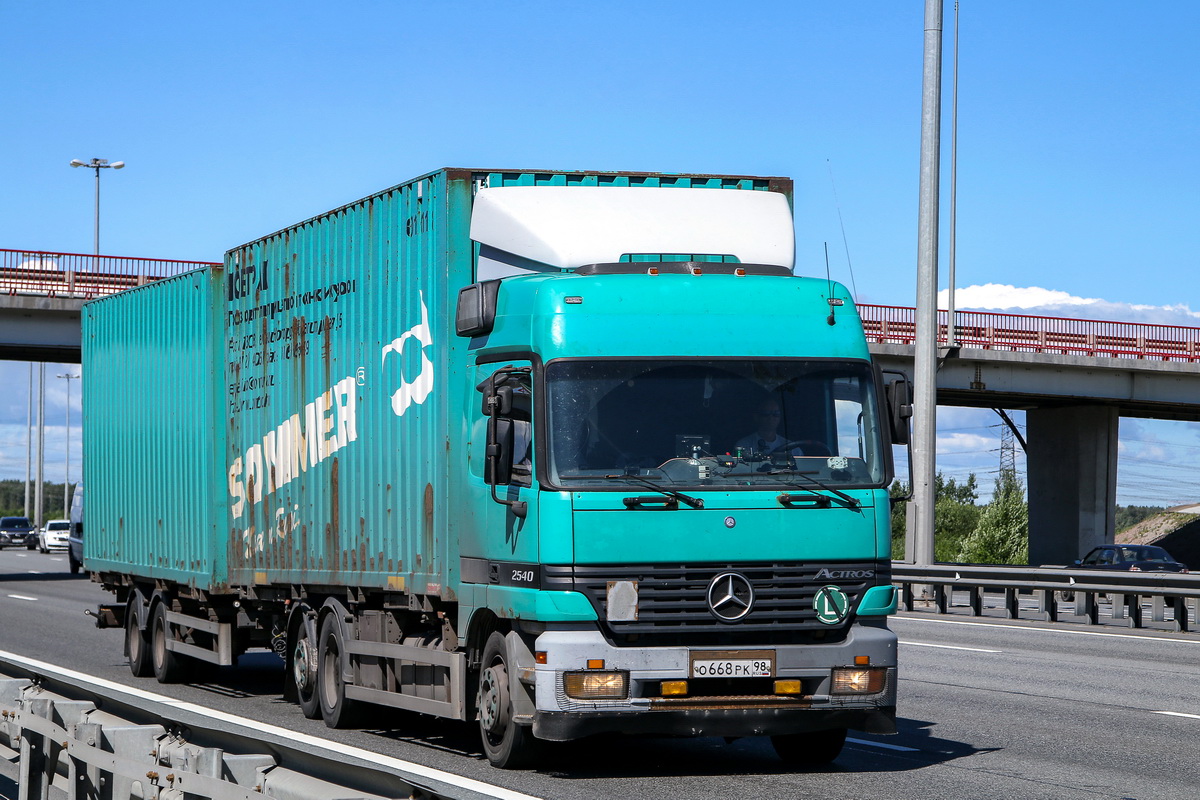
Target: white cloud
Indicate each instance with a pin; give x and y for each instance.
(1036, 300)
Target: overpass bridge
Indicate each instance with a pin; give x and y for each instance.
(1074, 378)
(41, 294)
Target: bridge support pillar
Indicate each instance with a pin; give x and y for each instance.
(1072, 457)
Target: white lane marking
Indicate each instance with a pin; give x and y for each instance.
(22, 597)
(388, 762)
(948, 647)
(895, 747)
(1053, 630)
(1173, 714)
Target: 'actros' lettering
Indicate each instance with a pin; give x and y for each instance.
(843, 574)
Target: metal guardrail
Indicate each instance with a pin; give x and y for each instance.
(84, 739)
(45, 274)
(1173, 597)
(1037, 334)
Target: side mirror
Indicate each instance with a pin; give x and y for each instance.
(900, 410)
(497, 465)
(475, 314)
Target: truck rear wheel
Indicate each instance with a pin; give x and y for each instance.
(169, 667)
(505, 743)
(336, 708)
(810, 749)
(137, 647)
(302, 649)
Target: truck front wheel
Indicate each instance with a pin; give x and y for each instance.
(810, 749)
(505, 743)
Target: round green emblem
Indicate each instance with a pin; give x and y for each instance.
(831, 604)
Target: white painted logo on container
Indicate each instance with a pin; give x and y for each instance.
(416, 391)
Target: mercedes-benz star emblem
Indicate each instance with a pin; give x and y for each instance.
(730, 596)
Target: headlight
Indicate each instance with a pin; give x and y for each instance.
(855, 680)
(595, 685)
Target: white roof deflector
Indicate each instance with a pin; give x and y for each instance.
(565, 227)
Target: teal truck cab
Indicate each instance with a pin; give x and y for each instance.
(559, 453)
(694, 459)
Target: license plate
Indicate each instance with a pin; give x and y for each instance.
(734, 664)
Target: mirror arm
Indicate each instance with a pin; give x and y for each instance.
(519, 508)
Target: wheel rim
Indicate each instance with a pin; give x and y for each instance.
(302, 663)
(133, 637)
(332, 679)
(493, 699)
(160, 642)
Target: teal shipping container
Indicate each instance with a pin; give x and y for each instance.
(561, 453)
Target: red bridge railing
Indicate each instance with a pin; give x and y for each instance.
(1033, 334)
(33, 272)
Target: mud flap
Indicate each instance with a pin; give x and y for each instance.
(520, 659)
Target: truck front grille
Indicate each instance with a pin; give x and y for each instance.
(673, 607)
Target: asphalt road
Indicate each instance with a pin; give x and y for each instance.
(987, 710)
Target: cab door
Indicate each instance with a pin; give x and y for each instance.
(502, 478)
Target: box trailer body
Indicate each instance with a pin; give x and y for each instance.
(487, 429)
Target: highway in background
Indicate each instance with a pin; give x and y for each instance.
(987, 709)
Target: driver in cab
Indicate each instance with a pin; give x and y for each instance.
(765, 440)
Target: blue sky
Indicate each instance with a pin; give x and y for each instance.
(1078, 122)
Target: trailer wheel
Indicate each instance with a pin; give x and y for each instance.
(137, 646)
(505, 743)
(169, 667)
(302, 650)
(810, 749)
(336, 708)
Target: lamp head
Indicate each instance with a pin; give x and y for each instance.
(118, 165)
(75, 162)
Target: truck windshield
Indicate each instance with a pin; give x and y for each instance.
(726, 424)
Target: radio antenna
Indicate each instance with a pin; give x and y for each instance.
(829, 280)
(845, 243)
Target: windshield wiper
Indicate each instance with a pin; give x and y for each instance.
(694, 502)
(847, 500)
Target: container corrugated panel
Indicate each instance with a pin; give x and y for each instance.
(342, 366)
(150, 450)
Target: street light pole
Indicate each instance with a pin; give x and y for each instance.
(97, 164)
(67, 477)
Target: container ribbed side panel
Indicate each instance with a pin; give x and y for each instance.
(148, 437)
(338, 354)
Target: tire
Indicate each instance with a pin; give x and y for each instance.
(169, 667)
(137, 644)
(810, 749)
(72, 564)
(506, 744)
(302, 660)
(32, 545)
(336, 708)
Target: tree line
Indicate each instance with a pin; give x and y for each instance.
(994, 533)
(12, 499)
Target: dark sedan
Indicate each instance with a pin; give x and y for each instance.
(1131, 558)
(17, 531)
